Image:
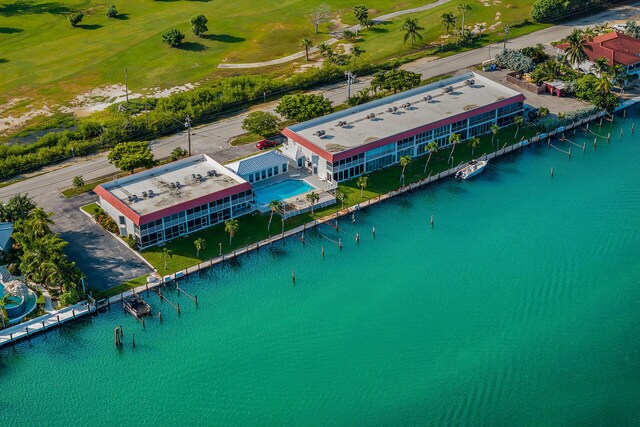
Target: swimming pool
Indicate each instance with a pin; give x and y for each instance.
(281, 190)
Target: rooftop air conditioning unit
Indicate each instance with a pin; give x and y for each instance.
(172, 185)
(407, 105)
(144, 194)
(428, 98)
(130, 198)
(389, 110)
(150, 193)
(177, 184)
(395, 108)
(371, 116)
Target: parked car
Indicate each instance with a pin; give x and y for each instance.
(266, 143)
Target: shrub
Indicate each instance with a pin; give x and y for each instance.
(112, 12)
(178, 153)
(173, 37)
(75, 18)
(261, 123)
(199, 25)
(77, 181)
(107, 222)
(301, 107)
(514, 60)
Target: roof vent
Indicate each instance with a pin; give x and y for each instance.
(428, 98)
(177, 184)
(371, 116)
(172, 185)
(470, 82)
(407, 105)
(448, 89)
(341, 123)
(130, 198)
(395, 108)
(150, 193)
(199, 177)
(389, 110)
(144, 194)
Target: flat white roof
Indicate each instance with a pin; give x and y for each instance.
(172, 184)
(357, 129)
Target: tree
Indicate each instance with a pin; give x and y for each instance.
(494, 131)
(38, 222)
(312, 198)
(77, 181)
(361, 13)
(448, 21)
(454, 139)
(200, 245)
(474, 142)
(320, 15)
(231, 226)
(600, 66)
(18, 207)
(543, 112)
(199, 25)
(261, 123)
(112, 12)
(356, 52)
(548, 71)
(274, 205)
(325, 49)
(128, 156)
(535, 53)
(166, 254)
(463, 8)
(396, 80)
(404, 162)
(519, 121)
(603, 85)
(348, 35)
(431, 147)
(411, 30)
(307, 44)
(301, 107)
(75, 18)
(173, 37)
(363, 181)
(575, 53)
(4, 302)
(178, 153)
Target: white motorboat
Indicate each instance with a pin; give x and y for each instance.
(473, 168)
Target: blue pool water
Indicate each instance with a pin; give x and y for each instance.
(281, 190)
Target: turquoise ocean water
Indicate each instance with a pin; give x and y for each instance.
(520, 307)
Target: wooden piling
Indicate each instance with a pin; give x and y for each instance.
(373, 231)
(58, 319)
(323, 251)
(357, 237)
(633, 127)
(160, 316)
(595, 143)
(11, 337)
(340, 244)
(26, 328)
(73, 312)
(551, 171)
(133, 340)
(293, 277)
(431, 221)
(43, 328)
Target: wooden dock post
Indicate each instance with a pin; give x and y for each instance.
(58, 320)
(608, 136)
(293, 277)
(26, 328)
(117, 337)
(109, 304)
(133, 340)
(178, 309)
(340, 244)
(11, 337)
(160, 316)
(373, 231)
(73, 313)
(196, 299)
(431, 221)
(322, 251)
(620, 132)
(44, 329)
(595, 143)
(357, 237)
(569, 153)
(551, 171)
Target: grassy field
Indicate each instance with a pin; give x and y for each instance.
(254, 227)
(63, 61)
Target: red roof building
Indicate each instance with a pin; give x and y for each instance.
(617, 47)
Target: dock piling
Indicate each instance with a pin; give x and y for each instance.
(357, 237)
(373, 231)
(431, 221)
(551, 171)
(322, 251)
(73, 313)
(133, 340)
(293, 277)
(58, 319)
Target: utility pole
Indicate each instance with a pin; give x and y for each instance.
(506, 36)
(187, 124)
(126, 86)
(351, 78)
(146, 112)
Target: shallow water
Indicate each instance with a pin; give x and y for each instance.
(520, 307)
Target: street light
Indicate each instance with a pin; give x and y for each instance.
(506, 36)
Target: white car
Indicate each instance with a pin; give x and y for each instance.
(620, 27)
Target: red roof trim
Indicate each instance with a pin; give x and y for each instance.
(307, 144)
(118, 204)
(245, 186)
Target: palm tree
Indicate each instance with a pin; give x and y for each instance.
(356, 52)
(231, 226)
(575, 51)
(325, 49)
(494, 131)
(312, 198)
(474, 142)
(519, 121)
(200, 244)
(39, 222)
(462, 8)
(454, 139)
(362, 183)
(411, 28)
(448, 21)
(5, 301)
(274, 205)
(619, 73)
(341, 195)
(431, 147)
(307, 44)
(600, 66)
(404, 162)
(603, 85)
(549, 71)
(166, 253)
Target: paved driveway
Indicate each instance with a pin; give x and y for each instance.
(105, 261)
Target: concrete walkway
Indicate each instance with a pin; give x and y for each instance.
(332, 40)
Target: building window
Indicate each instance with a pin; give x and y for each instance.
(270, 172)
(275, 170)
(284, 167)
(264, 174)
(122, 220)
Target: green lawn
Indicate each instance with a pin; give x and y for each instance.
(42, 56)
(92, 209)
(122, 287)
(254, 227)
